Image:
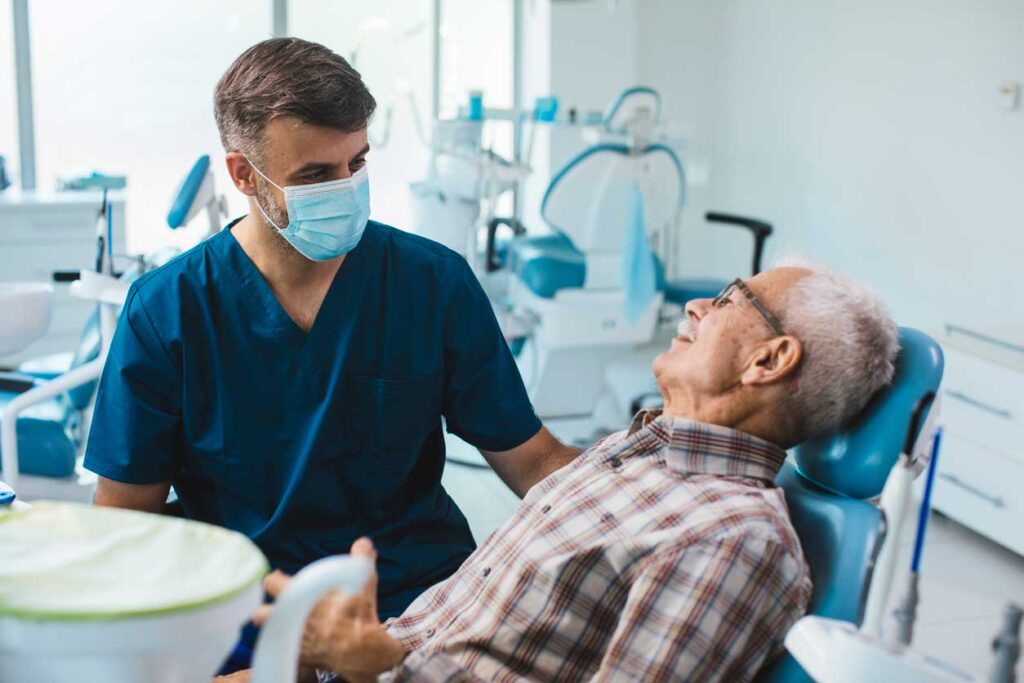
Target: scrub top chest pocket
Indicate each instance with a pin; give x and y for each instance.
(393, 417)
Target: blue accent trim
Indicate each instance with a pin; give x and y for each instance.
(613, 108)
(609, 147)
(186, 192)
(926, 503)
(6, 495)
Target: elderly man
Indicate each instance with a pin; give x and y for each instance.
(664, 551)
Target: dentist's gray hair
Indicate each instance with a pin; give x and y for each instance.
(849, 345)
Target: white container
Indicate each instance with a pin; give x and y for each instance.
(25, 312)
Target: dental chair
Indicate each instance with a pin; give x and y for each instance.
(51, 433)
(572, 285)
(827, 487)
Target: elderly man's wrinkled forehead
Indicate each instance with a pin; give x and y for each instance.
(772, 286)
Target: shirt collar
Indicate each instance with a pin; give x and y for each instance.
(701, 448)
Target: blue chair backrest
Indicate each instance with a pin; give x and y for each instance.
(840, 533)
(185, 195)
(856, 460)
(841, 538)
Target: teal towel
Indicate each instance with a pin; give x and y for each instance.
(638, 271)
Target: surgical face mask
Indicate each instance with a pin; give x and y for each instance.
(325, 220)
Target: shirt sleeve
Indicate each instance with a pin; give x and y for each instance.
(135, 435)
(714, 611)
(485, 401)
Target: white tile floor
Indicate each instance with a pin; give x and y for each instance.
(966, 579)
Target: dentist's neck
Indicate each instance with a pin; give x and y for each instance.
(278, 262)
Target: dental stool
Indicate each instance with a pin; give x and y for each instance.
(826, 491)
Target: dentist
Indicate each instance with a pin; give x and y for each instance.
(289, 376)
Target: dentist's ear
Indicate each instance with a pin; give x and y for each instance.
(241, 172)
(773, 361)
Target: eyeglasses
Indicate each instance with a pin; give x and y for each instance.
(723, 298)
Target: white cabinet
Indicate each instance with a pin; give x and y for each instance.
(980, 479)
(42, 232)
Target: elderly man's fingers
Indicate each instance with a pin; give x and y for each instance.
(363, 547)
(237, 677)
(275, 582)
(262, 614)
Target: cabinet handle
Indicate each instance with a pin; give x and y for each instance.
(1001, 412)
(995, 501)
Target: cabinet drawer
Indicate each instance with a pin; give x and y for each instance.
(984, 401)
(981, 488)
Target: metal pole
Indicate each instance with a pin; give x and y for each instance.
(279, 13)
(435, 95)
(435, 85)
(517, 100)
(23, 73)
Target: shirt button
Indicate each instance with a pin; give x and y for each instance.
(615, 463)
(546, 509)
(487, 570)
(430, 633)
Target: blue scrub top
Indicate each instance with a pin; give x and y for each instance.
(305, 442)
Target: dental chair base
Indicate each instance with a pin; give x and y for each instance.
(579, 333)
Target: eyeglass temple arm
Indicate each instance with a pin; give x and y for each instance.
(760, 230)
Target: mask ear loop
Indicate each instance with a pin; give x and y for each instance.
(258, 205)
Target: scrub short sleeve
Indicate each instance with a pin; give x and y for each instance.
(135, 436)
(485, 401)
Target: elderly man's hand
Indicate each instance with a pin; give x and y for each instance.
(344, 633)
(305, 675)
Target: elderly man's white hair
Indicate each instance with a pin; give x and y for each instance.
(849, 345)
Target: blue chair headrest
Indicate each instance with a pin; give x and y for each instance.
(186, 192)
(855, 461)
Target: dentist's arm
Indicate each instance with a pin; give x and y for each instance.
(142, 497)
(525, 465)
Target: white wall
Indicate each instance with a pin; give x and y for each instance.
(868, 132)
(585, 55)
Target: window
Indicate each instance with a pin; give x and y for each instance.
(8, 91)
(390, 43)
(127, 87)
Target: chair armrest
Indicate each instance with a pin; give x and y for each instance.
(760, 230)
(492, 262)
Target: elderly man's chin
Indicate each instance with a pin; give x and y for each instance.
(665, 359)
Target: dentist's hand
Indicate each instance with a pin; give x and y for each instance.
(344, 634)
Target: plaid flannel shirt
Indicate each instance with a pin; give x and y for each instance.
(664, 552)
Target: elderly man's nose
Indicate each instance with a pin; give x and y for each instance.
(697, 309)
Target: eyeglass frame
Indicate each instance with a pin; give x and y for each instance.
(767, 315)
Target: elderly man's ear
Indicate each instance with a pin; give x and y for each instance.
(773, 361)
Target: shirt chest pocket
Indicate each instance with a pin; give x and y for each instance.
(392, 417)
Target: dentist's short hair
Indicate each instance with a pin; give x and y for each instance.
(849, 343)
(288, 77)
